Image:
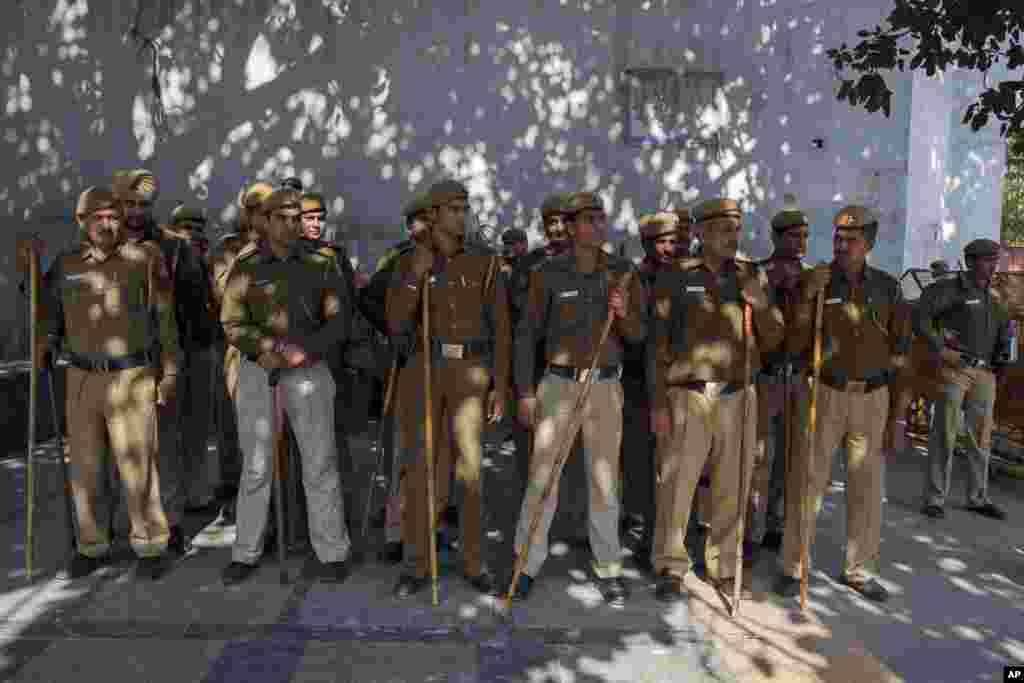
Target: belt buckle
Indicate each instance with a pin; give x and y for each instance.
(452, 351)
(857, 386)
(103, 365)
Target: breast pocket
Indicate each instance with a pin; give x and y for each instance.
(568, 309)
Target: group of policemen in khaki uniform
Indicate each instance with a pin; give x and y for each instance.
(703, 375)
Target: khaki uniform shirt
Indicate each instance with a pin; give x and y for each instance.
(567, 309)
(468, 304)
(698, 326)
(786, 299)
(112, 306)
(866, 328)
(304, 299)
(223, 260)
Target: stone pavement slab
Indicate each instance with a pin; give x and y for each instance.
(387, 662)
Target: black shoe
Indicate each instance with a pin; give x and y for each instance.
(934, 511)
(772, 540)
(988, 509)
(870, 589)
(484, 582)
(523, 588)
(178, 543)
(786, 586)
(80, 566)
(334, 572)
(237, 572)
(152, 568)
(670, 588)
(392, 553)
(409, 585)
(613, 590)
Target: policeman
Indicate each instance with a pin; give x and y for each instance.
(776, 387)
(685, 238)
(284, 308)
(659, 235)
(515, 245)
(417, 216)
(470, 347)
(200, 334)
(251, 224)
(968, 332)
(570, 297)
(108, 306)
(698, 353)
(137, 191)
(865, 339)
(557, 241)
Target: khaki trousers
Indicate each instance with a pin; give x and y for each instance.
(602, 438)
(459, 397)
(974, 391)
(706, 428)
(115, 412)
(856, 421)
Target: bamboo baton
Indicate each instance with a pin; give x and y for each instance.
(748, 352)
(380, 443)
(428, 434)
(564, 450)
(33, 400)
(812, 426)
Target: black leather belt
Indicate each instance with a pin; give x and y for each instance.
(779, 374)
(857, 386)
(701, 387)
(973, 362)
(580, 374)
(91, 363)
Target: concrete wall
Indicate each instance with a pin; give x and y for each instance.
(516, 98)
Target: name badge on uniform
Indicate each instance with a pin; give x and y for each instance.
(836, 300)
(696, 289)
(452, 351)
(569, 294)
(971, 302)
(75, 277)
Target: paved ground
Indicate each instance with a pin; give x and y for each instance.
(957, 612)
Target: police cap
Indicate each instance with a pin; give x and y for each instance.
(717, 208)
(653, 226)
(982, 249)
(861, 218)
(514, 236)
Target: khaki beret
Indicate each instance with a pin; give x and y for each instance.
(94, 199)
(445, 191)
(789, 218)
(653, 226)
(861, 218)
(188, 214)
(685, 217)
(254, 195)
(982, 249)
(554, 204)
(514, 236)
(583, 201)
(312, 203)
(137, 184)
(281, 199)
(417, 205)
(717, 208)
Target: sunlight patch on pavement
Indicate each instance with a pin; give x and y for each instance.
(951, 564)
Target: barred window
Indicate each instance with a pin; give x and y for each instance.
(669, 107)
